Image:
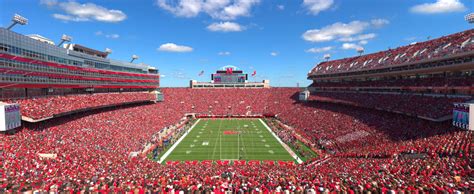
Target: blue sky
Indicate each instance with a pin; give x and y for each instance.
(281, 40)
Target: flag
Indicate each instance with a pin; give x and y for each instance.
(229, 71)
(201, 73)
(254, 73)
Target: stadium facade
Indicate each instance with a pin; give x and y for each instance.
(34, 66)
(230, 77)
(442, 62)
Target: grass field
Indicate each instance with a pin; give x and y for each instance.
(229, 139)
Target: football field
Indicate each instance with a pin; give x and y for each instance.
(229, 139)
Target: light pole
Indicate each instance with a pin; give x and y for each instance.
(134, 57)
(470, 18)
(108, 51)
(64, 38)
(360, 51)
(327, 57)
(18, 19)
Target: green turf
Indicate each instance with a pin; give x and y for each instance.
(207, 141)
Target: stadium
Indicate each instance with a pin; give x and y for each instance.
(394, 121)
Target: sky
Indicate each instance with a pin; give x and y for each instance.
(279, 39)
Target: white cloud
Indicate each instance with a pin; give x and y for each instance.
(77, 12)
(440, 6)
(218, 9)
(69, 18)
(316, 6)
(363, 42)
(343, 31)
(378, 23)
(347, 46)
(172, 47)
(274, 53)
(49, 3)
(358, 37)
(224, 53)
(225, 27)
(319, 50)
(334, 31)
(162, 76)
(281, 7)
(112, 36)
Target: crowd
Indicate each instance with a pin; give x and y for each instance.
(411, 104)
(91, 151)
(435, 48)
(43, 107)
(458, 81)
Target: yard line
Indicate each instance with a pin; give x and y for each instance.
(177, 142)
(288, 149)
(215, 145)
(238, 139)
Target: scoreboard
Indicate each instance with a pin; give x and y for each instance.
(462, 115)
(229, 76)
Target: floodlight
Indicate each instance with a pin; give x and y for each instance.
(470, 18)
(134, 57)
(327, 57)
(108, 51)
(360, 50)
(18, 19)
(64, 38)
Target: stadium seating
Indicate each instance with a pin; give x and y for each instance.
(416, 105)
(404, 83)
(38, 108)
(367, 150)
(431, 49)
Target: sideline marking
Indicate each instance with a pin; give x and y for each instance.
(288, 149)
(177, 142)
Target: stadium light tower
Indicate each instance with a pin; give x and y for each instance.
(470, 18)
(108, 51)
(360, 51)
(327, 57)
(134, 57)
(64, 38)
(18, 19)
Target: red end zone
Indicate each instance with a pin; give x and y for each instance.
(231, 132)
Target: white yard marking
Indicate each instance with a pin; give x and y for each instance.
(195, 141)
(192, 145)
(205, 143)
(215, 145)
(271, 151)
(264, 140)
(288, 149)
(167, 153)
(198, 136)
(188, 151)
(266, 145)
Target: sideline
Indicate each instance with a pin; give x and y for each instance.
(168, 152)
(288, 149)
